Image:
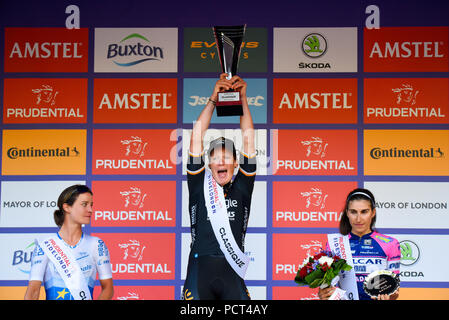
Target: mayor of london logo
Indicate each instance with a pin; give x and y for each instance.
(314, 45)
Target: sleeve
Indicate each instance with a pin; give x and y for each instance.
(195, 172)
(394, 256)
(103, 260)
(39, 263)
(247, 174)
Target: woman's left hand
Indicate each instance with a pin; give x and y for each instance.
(239, 84)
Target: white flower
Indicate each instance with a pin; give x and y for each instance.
(325, 259)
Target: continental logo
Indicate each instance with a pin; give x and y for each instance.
(60, 152)
(406, 152)
(379, 153)
(42, 152)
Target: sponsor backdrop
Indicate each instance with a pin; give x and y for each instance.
(342, 93)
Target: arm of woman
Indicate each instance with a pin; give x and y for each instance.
(107, 289)
(33, 290)
(246, 121)
(202, 123)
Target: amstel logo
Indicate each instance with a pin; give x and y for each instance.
(40, 152)
(37, 100)
(141, 255)
(134, 203)
(46, 49)
(406, 152)
(315, 100)
(135, 100)
(406, 100)
(309, 204)
(314, 152)
(406, 49)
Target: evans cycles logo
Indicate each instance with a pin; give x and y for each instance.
(135, 53)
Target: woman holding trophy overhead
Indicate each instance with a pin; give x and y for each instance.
(217, 262)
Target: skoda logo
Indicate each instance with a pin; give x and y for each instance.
(314, 45)
(409, 252)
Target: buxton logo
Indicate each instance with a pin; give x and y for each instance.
(31, 152)
(379, 153)
(138, 52)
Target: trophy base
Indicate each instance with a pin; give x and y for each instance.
(229, 110)
(229, 104)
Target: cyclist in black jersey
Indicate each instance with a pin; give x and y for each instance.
(209, 275)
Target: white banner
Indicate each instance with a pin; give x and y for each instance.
(218, 216)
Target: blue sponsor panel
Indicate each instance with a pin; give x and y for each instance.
(198, 91)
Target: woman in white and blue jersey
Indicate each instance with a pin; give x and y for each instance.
(67, 262)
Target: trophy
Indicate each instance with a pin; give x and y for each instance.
(229, 41)
(381, 282)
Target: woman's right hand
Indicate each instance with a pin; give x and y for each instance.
(324, 294)
(221, 85)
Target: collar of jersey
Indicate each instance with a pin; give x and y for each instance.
(365, 236)
(71, 247)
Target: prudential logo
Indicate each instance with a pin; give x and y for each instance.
(134, 49)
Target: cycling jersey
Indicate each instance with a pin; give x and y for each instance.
(91, 254)
(238, 202)
(371, 252)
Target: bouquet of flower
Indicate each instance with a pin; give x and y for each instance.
(319, 270)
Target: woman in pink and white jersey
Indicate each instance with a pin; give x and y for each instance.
(371, 251)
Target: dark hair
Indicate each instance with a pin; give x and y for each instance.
(69, 196)
(356, 194)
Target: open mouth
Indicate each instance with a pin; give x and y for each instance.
(222, 173)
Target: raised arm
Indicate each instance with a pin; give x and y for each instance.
(246, 121)
(202, 123)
